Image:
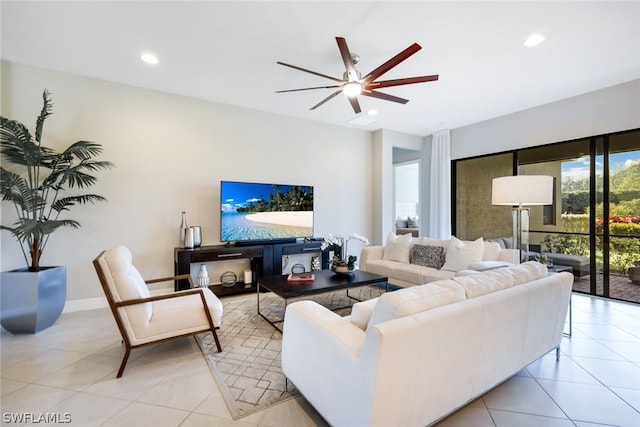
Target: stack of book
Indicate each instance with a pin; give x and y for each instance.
(300, 277)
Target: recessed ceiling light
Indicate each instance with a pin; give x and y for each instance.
(372, 112)
(534, 40)
(149, 58)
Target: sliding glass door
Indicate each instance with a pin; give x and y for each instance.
(617, 215)
(593, 224)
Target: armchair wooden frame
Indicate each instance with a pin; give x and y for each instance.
(114, 306)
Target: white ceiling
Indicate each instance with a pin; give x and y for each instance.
(227, 51)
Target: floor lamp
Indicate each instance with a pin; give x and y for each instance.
(519, 191)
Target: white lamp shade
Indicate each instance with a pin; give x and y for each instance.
(522, 190)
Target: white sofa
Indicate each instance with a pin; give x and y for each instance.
(396, 260)
(413, 356)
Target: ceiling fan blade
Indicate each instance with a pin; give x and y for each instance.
(346, 58)
(355, 104)
(310, 72)
(308, 88)
(326, 99)
(400, 82)
(392, 63)
(384, 96)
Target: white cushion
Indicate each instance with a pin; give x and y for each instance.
(462, 253)
(491, 251)
(418, 274)
(381, 267)
(435, 242)
(467, 273)
(415, 299)
(126, 283)
(481, 284)
(398, 248)
(361, 312)
(488, 265)
(529, 271)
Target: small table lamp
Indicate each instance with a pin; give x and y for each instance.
(518, 191)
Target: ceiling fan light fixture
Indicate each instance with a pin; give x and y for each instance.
(352, 89)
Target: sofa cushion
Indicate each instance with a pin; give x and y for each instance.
(491, 251)
(523, 273)
(417, 274)
(415, 299)
(361, 312)
(462, 253)
(467, 273)
(433, 242)
(381, 267)
(428, 256)
(476, 285)
(498, 240)
(488, 265)
(568, 259)
(398, 248)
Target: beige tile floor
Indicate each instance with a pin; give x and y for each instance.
(70, 369)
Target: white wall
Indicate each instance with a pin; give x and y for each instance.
(170, 154)
(608, 110)
(384, 141)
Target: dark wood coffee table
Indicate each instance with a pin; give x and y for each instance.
(324, 281)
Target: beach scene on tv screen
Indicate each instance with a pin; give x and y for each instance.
(253, 211)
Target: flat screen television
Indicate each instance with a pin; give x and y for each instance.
(251, 211)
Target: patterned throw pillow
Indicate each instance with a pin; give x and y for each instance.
(428, 256)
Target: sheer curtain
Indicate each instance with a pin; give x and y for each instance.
(440, 200)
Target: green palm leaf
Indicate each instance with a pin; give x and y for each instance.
(66, 202)
(38, 178)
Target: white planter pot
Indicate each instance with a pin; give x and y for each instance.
(32, 301)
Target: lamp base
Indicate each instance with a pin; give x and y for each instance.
(521, 231)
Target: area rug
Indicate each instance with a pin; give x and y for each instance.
(248, 370)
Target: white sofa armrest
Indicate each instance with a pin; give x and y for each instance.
(318, 348)
(314, 327)
(370, 253)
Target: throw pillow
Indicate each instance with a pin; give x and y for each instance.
(398, 248)
(412, 222)
(491, 251)
(428, 256)
(462, 253)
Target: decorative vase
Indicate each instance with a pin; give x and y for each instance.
(183, 228)
(188, 238)
(32, 301)
(228, 279)
(203, 277)
(315, 263)
(342, 269)
(197, 236)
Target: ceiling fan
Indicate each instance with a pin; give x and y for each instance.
(352, 84)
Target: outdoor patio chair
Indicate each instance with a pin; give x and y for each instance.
(144, 319)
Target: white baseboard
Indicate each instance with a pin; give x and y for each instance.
(85, 304)
(100, 302)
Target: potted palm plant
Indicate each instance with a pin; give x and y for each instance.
(37, 180)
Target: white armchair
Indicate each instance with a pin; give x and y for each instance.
(144, 319)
